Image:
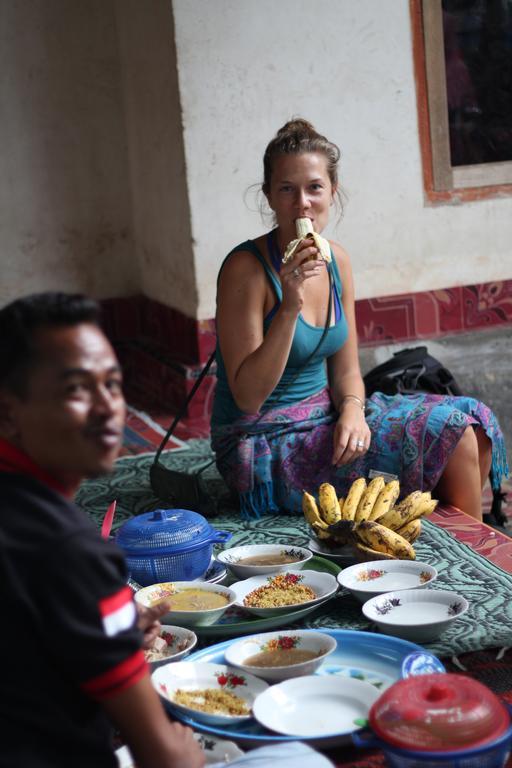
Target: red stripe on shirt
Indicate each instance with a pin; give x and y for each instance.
(117, 679)
(12, 459)
(112, 603)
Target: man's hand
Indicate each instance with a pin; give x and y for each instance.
(148, 622)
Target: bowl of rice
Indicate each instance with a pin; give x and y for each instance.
(215, 694)
(283, 592)
(172, 644)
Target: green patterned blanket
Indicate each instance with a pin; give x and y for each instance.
(487, 624)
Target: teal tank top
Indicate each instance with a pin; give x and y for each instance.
(314, 376)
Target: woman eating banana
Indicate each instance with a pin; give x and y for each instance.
(290, 410)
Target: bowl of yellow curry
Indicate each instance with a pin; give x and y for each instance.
(191, 604)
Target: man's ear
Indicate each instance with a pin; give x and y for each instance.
(8, 421)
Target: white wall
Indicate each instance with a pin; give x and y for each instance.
(246, 66)
(65, 218)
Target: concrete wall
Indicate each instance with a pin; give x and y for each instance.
(158, 181)
(65, 217)
(246, 66)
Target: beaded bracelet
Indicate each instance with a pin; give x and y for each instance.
(357, 399)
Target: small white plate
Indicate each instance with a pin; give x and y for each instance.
(215, 574)
(194, 676)
(323, 585)
(315, 707)
(306, 640)
(420, 615)
(366, 580)
(232, 557)
(180, 642)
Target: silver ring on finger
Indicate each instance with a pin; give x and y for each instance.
(360, 443)
(296, 272)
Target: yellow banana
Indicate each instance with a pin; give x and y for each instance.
(311, 512)
(369, 498)
(415, 505)
(383, 539)
(329, 504)
(351, 504)
(374, 553)
(304, 229)
(385, 499)
(321, 533)
(403, 512)
(411, 531)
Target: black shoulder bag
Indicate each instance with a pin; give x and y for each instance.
(415, 370)
(189, 490)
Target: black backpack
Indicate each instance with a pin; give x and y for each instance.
(414, 370)
(411, 370)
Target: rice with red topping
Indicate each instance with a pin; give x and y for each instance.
(283, 589)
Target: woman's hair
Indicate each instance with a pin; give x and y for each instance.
(297, 137)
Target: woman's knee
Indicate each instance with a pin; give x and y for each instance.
(467, 450)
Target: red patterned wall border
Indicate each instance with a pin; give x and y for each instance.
(406, 317)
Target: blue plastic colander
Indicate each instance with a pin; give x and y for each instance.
(168, 545)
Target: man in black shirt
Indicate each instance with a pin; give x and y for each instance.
(72, 655)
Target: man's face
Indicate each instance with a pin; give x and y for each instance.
(70, 420)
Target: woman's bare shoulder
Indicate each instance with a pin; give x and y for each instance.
(341, 256)
(241, 265)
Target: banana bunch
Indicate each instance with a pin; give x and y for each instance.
(369, 518)
(304, 229)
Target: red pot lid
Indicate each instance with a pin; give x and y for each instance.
(438, 712)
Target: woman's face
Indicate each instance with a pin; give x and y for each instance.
(300, 187)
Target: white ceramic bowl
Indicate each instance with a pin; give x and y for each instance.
(232, 557)
(238, 653)
(365, 580)
(315, 706)
(148, 595)
(323, 585)
(343, 555)
(198, 676)
(419, 615)
(180, 642)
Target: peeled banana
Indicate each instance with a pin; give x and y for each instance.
(304, 229)
(368, 518)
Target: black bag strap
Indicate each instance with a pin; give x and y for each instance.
(207, 367)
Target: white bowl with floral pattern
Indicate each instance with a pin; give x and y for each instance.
(366, 580)
(276, 646)
(234, 558)
(420, 615)
(195, 679)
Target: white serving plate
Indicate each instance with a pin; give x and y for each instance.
(215, 574)
(315, 707)
(231, 558)
(323, 584)
(147, 595)
(377, 659)
(189, 676)
(365, 580)
(319, 642)
(420, 615)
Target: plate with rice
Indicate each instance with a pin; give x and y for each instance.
(211, 693)
(283, 592)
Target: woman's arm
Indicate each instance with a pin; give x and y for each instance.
(255, 362)
(345, 378)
